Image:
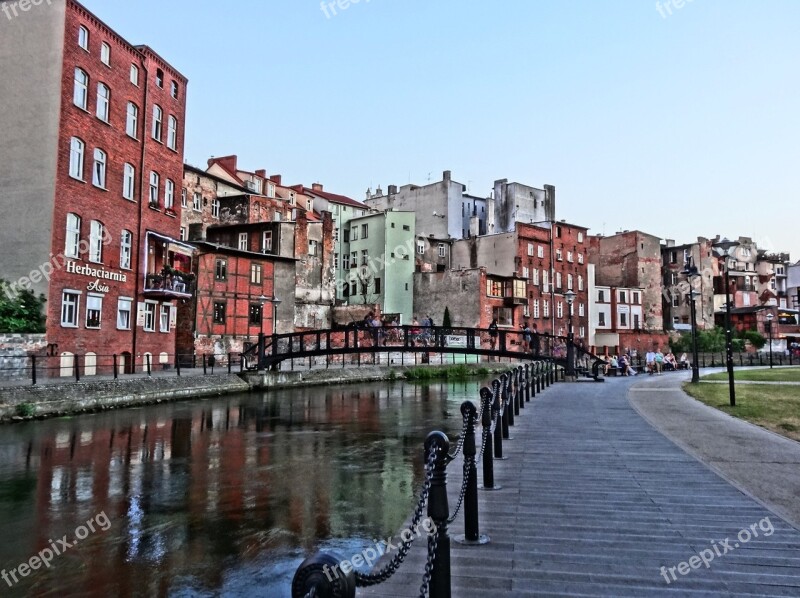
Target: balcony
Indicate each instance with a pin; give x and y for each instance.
(168, 267)
(512, 301)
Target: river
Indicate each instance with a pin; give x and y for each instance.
(220, 497)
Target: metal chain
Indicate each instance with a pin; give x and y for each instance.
(370, 579)
(433, 543)
(468, 461)
(460, 445)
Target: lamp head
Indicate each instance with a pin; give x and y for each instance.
(263, 299)
(770, 317)
(569, 296)
(724, 246)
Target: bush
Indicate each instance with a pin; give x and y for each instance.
(756, 339)
(25, 410)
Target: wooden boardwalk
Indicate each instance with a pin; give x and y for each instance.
(595, 502)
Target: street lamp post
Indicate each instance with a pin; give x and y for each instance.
(724, 248)
(570, 297)
(769, 330)
(691, 271)
(262, 301)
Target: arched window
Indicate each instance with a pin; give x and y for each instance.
(80, 95)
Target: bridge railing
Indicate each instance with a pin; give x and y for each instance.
(327, 574)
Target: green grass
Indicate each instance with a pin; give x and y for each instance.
(761, 375)
(775, 408)
(25, 410)
(453, 372)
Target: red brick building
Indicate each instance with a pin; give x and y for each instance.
(114, 270)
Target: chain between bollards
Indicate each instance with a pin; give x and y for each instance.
(472, 535)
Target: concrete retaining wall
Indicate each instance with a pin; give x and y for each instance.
(14, 352)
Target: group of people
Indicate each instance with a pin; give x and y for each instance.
(655, 363)
(530, 337)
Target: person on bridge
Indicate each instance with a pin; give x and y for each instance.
(527, 337)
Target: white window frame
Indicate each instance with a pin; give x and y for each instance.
(442, 250)
(94, 302)
(197, 202)
(134, 76)
(74, 306)
(172, 132)
(103, 110)
(266, 242)
(149, 311)
(158, 122)
(96, 234)
(165, 311)
(132, 120)
(540, 251)
(580, 282)
(184, 198)
(122, 303)
(154, 184)
(105, 54)
(530, 249)
(174, 89)
(83, 38)
(545, 308)
(535, 277)
(128, 181)
(244, 241)
(536, 308)
(80, 90)
(169, 194)
(99, 168)
(77, 150)
(581, 310)
(215, 208)
(73, 237)
(421, 247)
(580, 237)
(125, 249)
(182, 234)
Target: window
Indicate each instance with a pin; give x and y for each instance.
(442, 250)
(158, 116)
(545, 281)
(277, 216)
(635, 299)
(504, 316)
(125, 245)
(535, 308)
(530, 249)
(353, 289)
(169, 194)
(196, 202)
(623, 319)
(601, 318)
(132, 120)
(558, 231)
(580, 258)
(73, 239)
(354, 233)
(580, 282)
(124, 313)
(636, 321)
(243, 241)
(559, 255)
(494, 288)
(83, 38)
(174, 89)
(149, 316)
(525, 272)
(582, 331)
(406, 227)
(673, 278)
(377, 286)
(221, 270)
(215, 208)
(520, 289)
(255, 314)
(364, 257)
(421, 247)
(535, 277)
(346, 261)
(155, 182)
(558, 280)
(346, 238)
(312, 248)
(335, 261)
(354, 259)
(99, 169)
(96, 241)
(580, 237)
(128, 181)
(184, 202)
(219, 313)
(569, 257)
(569, 282)
(364, 231)
(601, 296)
(266, 242)
(76, 148)
(94, 310)
(271, 190)
(746, 299)
(676, 300)
(172, 132)
(135, 75)
(545, 308)
(623, 297)
(560, 309)
(581, 309)
(105, 54)
(160, 78)
(183, 236)
(70, 303)
(540, 251)
(103, 97)
(255, 274)
(166, 311)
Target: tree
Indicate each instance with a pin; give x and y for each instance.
(21, 311)
(446, 323)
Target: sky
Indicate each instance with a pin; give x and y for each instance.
(677, 118)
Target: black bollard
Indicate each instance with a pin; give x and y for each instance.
(498, 424)
(472, 535)
(439, 512)
(488, 451)
(508, 408)
(528, 368)
(519, 391)
(322, 574)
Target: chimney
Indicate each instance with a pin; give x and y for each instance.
(276, 178)
(228, 162)
(446, 176)
(261, 173)
(392, 190)
(316, 186)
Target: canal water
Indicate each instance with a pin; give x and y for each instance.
(221, 497)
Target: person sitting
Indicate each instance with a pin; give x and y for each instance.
(684, 362)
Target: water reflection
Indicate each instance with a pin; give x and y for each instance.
(215, 497)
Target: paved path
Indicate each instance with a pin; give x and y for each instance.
(596, 501)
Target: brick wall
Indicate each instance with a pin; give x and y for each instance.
(15, 350)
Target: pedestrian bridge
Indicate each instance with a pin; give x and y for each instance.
(409, 345)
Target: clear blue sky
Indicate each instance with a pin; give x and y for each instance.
(679, 125)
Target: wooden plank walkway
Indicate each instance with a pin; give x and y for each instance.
(595, 502)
